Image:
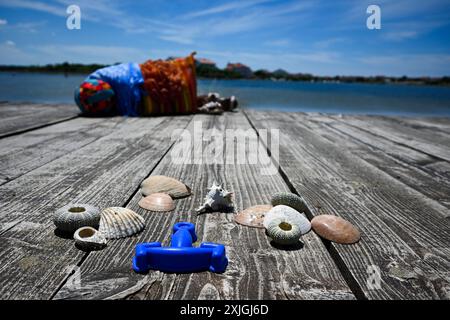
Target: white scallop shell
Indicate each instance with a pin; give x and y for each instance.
(293, 215)
(283, 231)
(87, 238)
(118, 222)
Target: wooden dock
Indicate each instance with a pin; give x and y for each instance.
(389, 176)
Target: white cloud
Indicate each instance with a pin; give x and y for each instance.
(3, 22)
(277, 43)
(230, 6)
(35, 5)
(10, 43)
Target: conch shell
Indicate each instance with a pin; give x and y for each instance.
(216, 199)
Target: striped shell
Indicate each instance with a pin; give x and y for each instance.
(73, 216)
(118, 222)
(283, 231)
(163, 184)
(253, 216)
(293, 215)
(289, 199)
(157, 202)
(87, 238)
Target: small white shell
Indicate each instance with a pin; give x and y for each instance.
(87, 238)
(293, 215)
(73, 216)
(118, 222)
(283, 231)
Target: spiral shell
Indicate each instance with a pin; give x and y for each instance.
(174, 188)
(87, 238)
(118, 222)
(289, 199)
(283, 231)
(73, 216)
(282, 211)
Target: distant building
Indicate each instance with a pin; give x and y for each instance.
(205, 62)
(240, 68)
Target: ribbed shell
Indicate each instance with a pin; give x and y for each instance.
(157, 202)
(282, 211)
(280, 236)
(87, 238)
(118, 222)
(69, 221)
(173, 187)
(289, 199)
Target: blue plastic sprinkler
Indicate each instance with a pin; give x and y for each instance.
(180, 257)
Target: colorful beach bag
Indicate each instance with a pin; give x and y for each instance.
(170, 87)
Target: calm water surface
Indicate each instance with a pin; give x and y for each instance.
(260, 94)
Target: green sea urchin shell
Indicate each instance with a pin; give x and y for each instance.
(74, 216)
(289, 199)
(282, 231)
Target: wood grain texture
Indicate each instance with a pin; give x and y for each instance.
(428, 140)
(16, 118)
(256, 269)
(403, 234)
(22, 153)
(402, 163)
(33, 260)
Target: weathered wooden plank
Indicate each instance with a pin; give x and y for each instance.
(256, 269)
(402, 163)
(33, 260)
(22, 153)
(16, 118)
(430, 141)
(403, 234)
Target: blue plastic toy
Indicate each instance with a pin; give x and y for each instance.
(180, 257)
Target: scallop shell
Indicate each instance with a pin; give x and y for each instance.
(335, 229)
(73, 216)
(157, 202)
(287, 212)
(87, 238)
(283, 231)
(289, 199)
(163, 184)
(253, 216)
(118, 222)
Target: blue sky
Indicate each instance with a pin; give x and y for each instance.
(322, 37)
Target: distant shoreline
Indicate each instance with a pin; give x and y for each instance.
(216, 73)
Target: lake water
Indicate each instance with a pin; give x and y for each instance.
(261, 94)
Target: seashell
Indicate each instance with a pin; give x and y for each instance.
(216, 199)
(289, 213)
(335, 229)
(289, 199)
(163, 184)
(157, 202)
(118, 222)
(73, 216)
(283, 231)
(87, 238)
(253, 216)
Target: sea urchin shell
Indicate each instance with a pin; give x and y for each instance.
(73, 216)
(87, 238)
(118, 222)
(283, 231)
(289, 199)
(282, 211)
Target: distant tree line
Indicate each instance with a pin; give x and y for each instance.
(208, 71)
